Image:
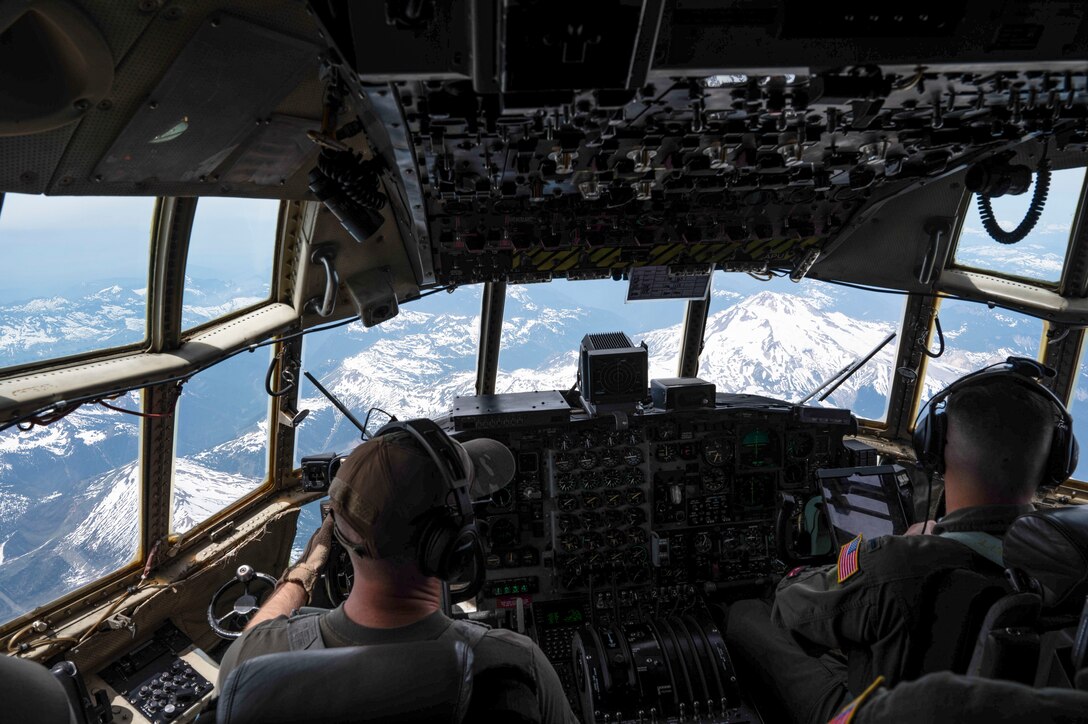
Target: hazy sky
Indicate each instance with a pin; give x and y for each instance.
(50, 245)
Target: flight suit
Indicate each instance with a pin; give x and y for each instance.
(876, 616)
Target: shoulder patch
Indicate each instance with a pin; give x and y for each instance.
(847, 714)
(848, 559)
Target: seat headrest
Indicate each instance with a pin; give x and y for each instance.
(31, 693)
(1051, 547)
(428, 681)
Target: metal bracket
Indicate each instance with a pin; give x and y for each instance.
(325, 254)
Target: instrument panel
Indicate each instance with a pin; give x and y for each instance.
(617, 521)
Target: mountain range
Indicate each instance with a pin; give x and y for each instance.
(68, 491)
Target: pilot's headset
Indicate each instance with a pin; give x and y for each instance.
(448, 541)
(931, 427)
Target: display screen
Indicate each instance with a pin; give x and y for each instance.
(564, 617)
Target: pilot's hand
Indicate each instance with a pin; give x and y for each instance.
(312, 560)
(925, 528)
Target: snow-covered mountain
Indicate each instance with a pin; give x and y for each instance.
(68, 492)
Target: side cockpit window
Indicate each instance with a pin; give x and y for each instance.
(231, 251)
(222, 439)
(75, 275)
(69, 504)
(1040, 255)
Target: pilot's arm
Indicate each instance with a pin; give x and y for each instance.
(852, 605)
(297, 582)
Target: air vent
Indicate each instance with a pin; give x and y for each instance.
(54, 66)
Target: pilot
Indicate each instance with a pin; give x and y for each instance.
(833, 630)
(383, 498)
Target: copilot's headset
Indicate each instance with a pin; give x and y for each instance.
(931, 428)
(448, 539)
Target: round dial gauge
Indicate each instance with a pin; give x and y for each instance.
(665, 453)
(591, 501)
(638, 574)
(572, 573)
(591, 520)
(567, 483)
(634, 477)
(718, 451)
(565, 462)
(503, 533)
(613, 439)
(587, 460)
(615, 538)
(635, 516)
(635, 496)
(613, 498)
(688, 451)
(612, 479)
(610, 459)
(502, 498)
(528, 492)
(799, 445)
(592, 541)
(617, 558)
(638, 554)
(636, 535)
(592, 481)
(613, 519)
(569, 542)
(564, 442)
(713, 480)
(594, 560)
(568, 522)
(566, 503)
(632, 456)
(633, 437)
(588, 440)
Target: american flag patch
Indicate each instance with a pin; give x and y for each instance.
(847, 714)
(848, 559)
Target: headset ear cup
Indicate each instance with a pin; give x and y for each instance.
(1064, 454)
(434, 540)
(938, 438)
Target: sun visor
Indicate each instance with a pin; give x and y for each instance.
(211, 114)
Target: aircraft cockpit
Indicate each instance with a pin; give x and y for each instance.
(699, 266)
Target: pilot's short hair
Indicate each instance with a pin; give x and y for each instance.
(1004, 430)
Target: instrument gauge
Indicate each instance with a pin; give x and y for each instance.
(638, 574)
(568, 522)
(713, 480)
(565, 462)
(613, 498)
(592, 481)
(638, 554)
(718, 451)
(592, 541)
(567, 483)
(688, 451)
(528, 492)
(612, 519)
(665, 453)
(594, 560)
(634, 477)
(615, 538)
(617, 559)
(799, 445)
(591, 501)
(569, 542)
(632, 456)
(587, 460)
(612, 479)
(613, 439)
(566, 503)
(504, 533)
(633, 437)
(636, 535)
(591, 520)
(572, 573)
(502, 498)
(666, 431)
(564, 442)
(589, 440)
(635, 496)
(610, 459)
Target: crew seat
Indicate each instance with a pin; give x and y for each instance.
(427, 681)
(1031, 635)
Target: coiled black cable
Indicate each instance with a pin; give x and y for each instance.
(1035, 210)
(358, 179)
